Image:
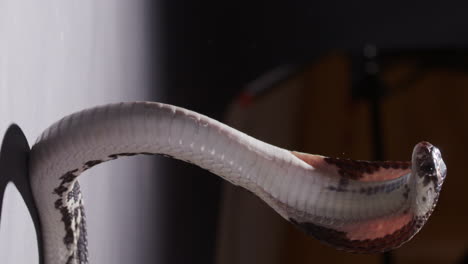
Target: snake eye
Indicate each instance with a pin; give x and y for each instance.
(427, 167)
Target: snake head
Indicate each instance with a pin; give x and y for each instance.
(430, 171)
(429, 165)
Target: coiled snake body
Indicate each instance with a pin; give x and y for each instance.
(357, 206)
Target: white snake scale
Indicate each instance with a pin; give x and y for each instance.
(357, 206)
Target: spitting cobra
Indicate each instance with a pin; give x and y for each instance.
(356, 206)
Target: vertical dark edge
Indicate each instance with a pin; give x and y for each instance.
(14, 167)
(193, 51)
(370, 88)
(375, 101)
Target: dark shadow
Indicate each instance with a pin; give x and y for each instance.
(14, 155)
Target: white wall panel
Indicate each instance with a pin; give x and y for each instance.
(57, 57)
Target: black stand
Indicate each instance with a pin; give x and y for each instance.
(369, 87)
(14, 155)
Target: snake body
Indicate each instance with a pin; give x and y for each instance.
(357, 206)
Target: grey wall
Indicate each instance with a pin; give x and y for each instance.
(57, 57)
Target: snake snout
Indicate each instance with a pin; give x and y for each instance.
(441, 168)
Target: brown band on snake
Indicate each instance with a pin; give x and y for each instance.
(343, 239)
(356, 169)
(340, 240)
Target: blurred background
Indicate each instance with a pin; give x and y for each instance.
(360, 80)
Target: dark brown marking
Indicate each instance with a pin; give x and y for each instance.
(355, 169)
(406, 191)
(126, 154)
(58, 203)
(74, 193)
(66, 178)
(60, 190)
(114, 156)
(67, 215)
(82, 254)
(67, 218)
(406, 195)
(338, 239)
(343, 183)
(92, 163)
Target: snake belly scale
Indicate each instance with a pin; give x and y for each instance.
(357, 206)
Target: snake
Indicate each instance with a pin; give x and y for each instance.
(352, 205)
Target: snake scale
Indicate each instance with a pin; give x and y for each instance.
(356, 206)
